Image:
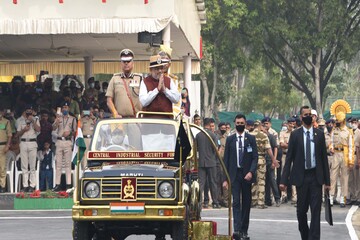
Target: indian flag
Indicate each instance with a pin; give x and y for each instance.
(79, 146)
(127, 207)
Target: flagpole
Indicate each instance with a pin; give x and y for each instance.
(180, 170)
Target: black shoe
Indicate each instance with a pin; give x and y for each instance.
(244, 236)
(68, 186)
(57, 188)
(342, 205)
(25, 189)
(236, 236)
(205, 205)
(2, 190)
(278, 203)
(216, 205)
(31, 189)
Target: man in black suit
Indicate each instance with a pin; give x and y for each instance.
(307, 160)
(241, 158)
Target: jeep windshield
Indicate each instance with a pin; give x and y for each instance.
(134, 139)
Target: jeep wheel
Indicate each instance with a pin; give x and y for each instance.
(82, 231)
(180, 230)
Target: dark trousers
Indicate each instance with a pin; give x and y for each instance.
(270, 184)
(46, 175)
(309, 194)
(241, 211)
(210, 174)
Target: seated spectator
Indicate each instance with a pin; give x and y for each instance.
(45, 156)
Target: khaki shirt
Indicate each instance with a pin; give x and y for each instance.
(357, 138)
(275, 134)
(31, 134)
(343, 137)
(66, 124)
(87, 126)
(5, 129)
(262, 141)
(119, 88)
(284, 138)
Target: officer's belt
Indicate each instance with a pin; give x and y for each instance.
(87, 136)
(261, 155)
(3, 143)
(284, 152)
(64, 138)
(339, 149)
(28, 139)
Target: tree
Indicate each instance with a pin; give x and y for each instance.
(305, 39)
(220, 51)
(265, 93)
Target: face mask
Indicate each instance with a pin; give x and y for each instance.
(307, 120)
(284, 128)
(240, 128)
(65, 112)
(96, 114)
(92, 85)
(223, 132)
(354, 126)
(105, 90)
(337, 124)
(329, 129)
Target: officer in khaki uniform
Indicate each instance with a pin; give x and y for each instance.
(263, 147)
(223, 193)
(5, 140)
(284, 140)
(123, 94)
(66, 129)
(88, 122)
(27, 128)
(342, 147)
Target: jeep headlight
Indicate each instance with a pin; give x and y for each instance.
(166, 189)
(92, 189)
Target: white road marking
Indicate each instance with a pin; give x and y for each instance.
(349, 225)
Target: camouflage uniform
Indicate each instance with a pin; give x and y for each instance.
(343, 144)
(258, 188)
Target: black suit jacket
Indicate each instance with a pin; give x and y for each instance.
(250, 159)
(295, 159)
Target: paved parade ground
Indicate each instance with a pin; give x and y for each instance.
(272, 224)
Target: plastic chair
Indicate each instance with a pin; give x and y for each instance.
(18, 173)
(10, 161)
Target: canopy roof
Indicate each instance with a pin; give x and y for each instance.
(41, 31)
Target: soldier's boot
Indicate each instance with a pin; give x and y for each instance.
(342, 202)
(57, 188)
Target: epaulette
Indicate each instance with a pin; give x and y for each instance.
(138, 76)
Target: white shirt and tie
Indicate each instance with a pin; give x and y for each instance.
(309, 141)
(239, 148)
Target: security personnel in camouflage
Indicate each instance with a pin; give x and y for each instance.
(263, 146)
